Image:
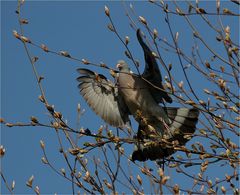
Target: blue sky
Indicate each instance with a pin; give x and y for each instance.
(79, 27)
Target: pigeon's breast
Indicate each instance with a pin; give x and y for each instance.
(136, 93)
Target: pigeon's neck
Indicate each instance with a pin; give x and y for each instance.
(125, 70)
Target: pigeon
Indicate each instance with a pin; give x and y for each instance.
(132, 95)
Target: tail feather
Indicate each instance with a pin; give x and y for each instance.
(183, 112)
(184, 122)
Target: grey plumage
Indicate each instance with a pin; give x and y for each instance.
(131, 95)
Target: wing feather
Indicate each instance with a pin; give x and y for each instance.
(102, 96)
(152, 72)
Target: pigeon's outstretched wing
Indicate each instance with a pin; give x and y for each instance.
(152, 72)
(103, 97)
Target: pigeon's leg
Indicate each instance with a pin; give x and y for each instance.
(161, 163)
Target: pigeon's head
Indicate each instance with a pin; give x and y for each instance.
(122, 66)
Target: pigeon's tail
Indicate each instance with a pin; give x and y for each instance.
(183, 124)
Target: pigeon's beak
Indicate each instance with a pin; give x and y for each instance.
(118, 65)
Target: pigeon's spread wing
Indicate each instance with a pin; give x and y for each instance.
(152, 72)
(102, 96)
